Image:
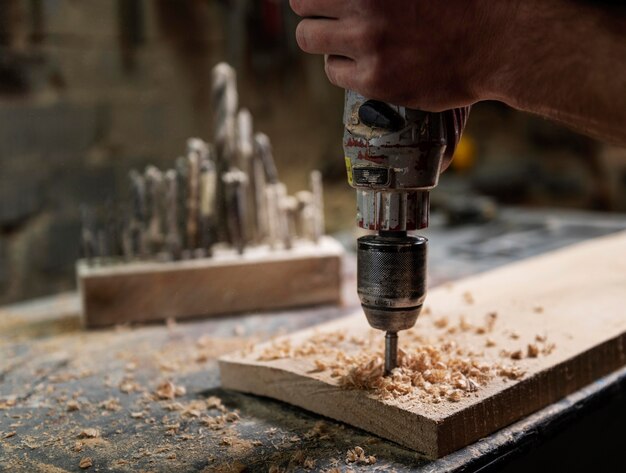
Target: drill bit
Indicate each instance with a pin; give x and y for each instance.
(193, 161)
(208, 185)
(268, 196)
(154, 192)
(225, 100)
(235, 186)
(391, 352)
(260, 200)
(172, 237)
(318, 195)
(138, 214)
(244, 161)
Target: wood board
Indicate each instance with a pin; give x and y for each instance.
(570, 305)
(260, 279)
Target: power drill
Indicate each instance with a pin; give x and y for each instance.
(394, 156)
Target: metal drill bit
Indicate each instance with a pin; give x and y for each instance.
(260, 199)
(182, 180)
(235, 183)
(245, 154)
(193, 161)
(282, 205)
(138, 214)
(290, 206)
(273, 216)
(263, 149)
(225, 101)
(270, 197)
(306, 215)
(197, 153)
(172, 234)
(391, 352)
(208, 188)
(318, 198)
(154, 193)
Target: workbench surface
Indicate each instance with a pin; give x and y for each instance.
(149, 398)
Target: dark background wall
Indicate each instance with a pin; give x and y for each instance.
(92, 88)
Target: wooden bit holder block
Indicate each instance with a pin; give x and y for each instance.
(489, 350)
(260, 279)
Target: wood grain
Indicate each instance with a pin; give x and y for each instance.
(573, 299)
(259, 280)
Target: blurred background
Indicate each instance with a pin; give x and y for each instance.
(90, 89)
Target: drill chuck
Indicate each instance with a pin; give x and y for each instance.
(391, 279)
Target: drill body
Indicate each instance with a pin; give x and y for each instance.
(394, 156)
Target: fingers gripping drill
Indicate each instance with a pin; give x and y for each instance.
(394, 156)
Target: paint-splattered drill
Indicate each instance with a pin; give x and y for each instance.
(394, 156)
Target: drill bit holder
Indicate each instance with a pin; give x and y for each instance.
(216, 235)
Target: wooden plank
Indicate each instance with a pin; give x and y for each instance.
(260, 279)
(559, 324)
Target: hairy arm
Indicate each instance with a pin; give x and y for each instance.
(562, 59)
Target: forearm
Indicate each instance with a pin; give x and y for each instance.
(566, 61)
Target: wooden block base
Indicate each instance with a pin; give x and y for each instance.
(260, 279)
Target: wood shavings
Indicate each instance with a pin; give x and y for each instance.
(85, 463)
(318, 431)
(193, 409)
(319, 366)
(357, 455)
(276, 351)
(7, 404)
(128, 385)
(219, 422)
(532, 351)
(464, 325)
(66, 376)
(72, 405)
(430, 372)
(8, 435)
(214, 402)
(89, 433)
(168, 390)
(490, 321)
(300, 459)
(111, 404)
(468, 297)
(511, 372)
(441, 322)
(137, 415)
(538, 310)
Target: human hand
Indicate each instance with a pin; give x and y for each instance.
(421, 54)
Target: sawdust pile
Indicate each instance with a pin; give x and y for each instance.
(434, 370)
